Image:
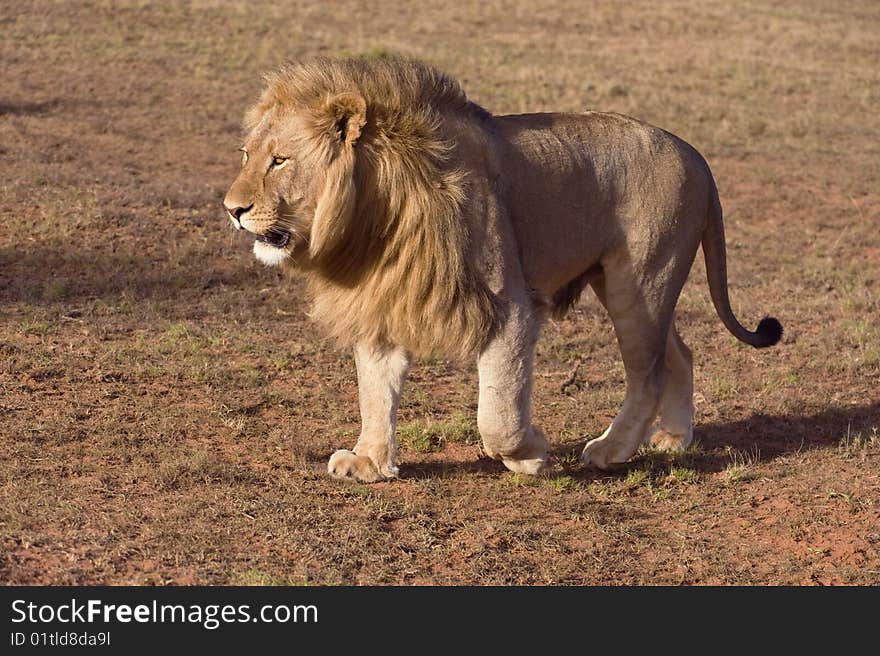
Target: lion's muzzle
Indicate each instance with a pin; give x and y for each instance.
(236, 211)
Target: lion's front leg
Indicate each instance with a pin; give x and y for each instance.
(380, 373)
(504, 414)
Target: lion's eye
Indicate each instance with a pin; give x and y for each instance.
(278, 161)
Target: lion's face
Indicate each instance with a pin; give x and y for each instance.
(275, 193)
(295, 179)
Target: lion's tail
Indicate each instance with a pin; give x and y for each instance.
(769, 330)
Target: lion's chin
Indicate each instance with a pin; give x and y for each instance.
(268, 254)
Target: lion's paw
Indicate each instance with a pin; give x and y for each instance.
(347, 465)
(530, 467)
(666, 441)
(603, 453)
(531, 457)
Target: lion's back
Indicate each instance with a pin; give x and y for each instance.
(582, 185)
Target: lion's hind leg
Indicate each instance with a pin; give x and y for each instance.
(641, 327)
(673, 429)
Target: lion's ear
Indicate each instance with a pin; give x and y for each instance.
(347, 115)
(342, 118)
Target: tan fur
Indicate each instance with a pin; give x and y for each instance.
(390, 260)
(427, 226)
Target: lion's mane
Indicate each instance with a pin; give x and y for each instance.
(392, 258)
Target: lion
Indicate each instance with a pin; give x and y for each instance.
(427, 226)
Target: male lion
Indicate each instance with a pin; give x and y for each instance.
(426, 226)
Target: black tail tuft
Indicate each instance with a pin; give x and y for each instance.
(769, 332)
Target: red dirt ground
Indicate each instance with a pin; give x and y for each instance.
(167, 409)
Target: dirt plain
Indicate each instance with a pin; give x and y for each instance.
(167, 408)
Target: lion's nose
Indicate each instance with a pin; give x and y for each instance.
(235, 211)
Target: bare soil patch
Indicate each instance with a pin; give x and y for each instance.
(167, 409)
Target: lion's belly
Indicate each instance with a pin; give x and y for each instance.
(556, 249)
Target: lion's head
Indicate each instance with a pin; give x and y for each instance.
(348, 174)
(296, 178)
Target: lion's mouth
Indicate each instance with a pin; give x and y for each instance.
(274, 237)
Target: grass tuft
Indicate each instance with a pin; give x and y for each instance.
(742, 464)
(563, 484)
(431, 437)
(858, 443)
(682, 475)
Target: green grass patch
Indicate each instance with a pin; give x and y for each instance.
(563, 484)
(523, 480)
(683, 474)
(431, 437)
(637, 478)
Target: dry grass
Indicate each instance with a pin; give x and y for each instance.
(166, 408)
